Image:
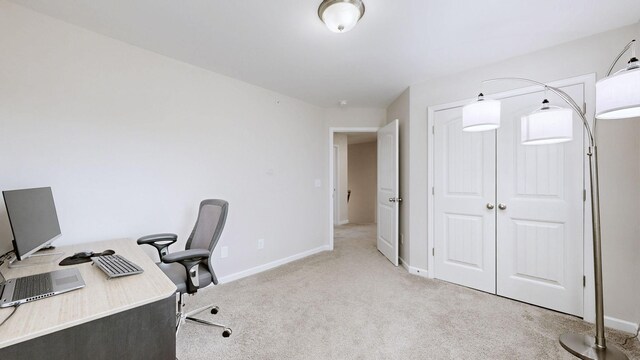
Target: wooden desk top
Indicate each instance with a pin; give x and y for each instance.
(99, 298)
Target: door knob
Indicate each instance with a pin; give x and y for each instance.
(398, 200)
(502, 206)
(490, 206)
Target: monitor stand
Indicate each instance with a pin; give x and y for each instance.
(41, 257)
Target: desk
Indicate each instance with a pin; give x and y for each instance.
(128, 317)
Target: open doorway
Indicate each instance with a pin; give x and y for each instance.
(354, 178)
(386, 173)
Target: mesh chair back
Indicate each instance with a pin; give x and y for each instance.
(206, 233)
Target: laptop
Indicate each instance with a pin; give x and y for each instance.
(39, 286)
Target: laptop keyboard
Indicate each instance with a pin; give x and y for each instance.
(116, 265)
(33, 285)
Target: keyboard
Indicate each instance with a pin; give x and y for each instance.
(33, 285)
(116, 266)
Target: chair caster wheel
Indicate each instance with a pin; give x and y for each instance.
(226, 333)
(215, 309)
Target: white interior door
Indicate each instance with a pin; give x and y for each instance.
(464, 194)
(336, 184)
(529, 246)
(540, 232)
(388, 191)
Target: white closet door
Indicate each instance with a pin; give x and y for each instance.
(464, 166)
(540, 233)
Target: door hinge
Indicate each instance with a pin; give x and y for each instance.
(584, 194)
(584, 281)
(433, 191)
(433, 130)
(433, 251)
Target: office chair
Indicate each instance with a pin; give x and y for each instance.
(191, 269)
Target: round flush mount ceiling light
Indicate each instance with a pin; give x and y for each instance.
(341, 15)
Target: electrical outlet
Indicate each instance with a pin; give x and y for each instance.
(260, 244)
(224, 252)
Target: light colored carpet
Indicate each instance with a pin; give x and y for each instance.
(352, 303)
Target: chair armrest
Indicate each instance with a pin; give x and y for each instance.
(160, 241)
(149, 239)
(191, 260)
(190, 255)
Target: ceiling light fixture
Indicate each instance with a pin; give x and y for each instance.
(341, 15)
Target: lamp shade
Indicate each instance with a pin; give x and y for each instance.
(547, 125)
(618, 96)
(481, 115)
(341, 15)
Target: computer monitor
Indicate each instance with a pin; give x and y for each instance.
(33, 218)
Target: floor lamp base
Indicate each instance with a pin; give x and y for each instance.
(583, 346)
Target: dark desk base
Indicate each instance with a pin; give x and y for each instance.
(145, 332)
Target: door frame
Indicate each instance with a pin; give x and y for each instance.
(336, 186)
(588, 82)
(332, 131)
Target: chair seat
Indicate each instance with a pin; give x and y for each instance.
(177, 273)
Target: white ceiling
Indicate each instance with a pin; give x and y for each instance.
(283, 46)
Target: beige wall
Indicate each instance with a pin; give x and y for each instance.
(355, 117)
(618, 155)
(340, 141)
(131, 141)
(619, 168)
(363, 175)
(400, 109)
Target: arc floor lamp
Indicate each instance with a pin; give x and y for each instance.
(617, 97)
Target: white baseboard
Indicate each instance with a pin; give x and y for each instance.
(271, 265)
(403, 263)
(343, 222)
(413, 270)
(621, 325)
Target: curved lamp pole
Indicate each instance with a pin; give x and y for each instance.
(583, 346)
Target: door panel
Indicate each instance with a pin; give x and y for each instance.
(388, 188)
(540, 233)
(464, 240)
(464, 166)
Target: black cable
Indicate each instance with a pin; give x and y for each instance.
(10, 315)
(630, 338)
(3, 256)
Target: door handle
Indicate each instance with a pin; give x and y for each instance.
(502, 206)
(490, 206)
(398, 200)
